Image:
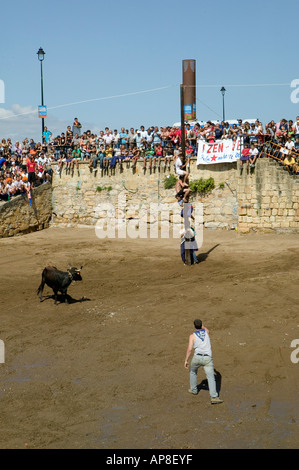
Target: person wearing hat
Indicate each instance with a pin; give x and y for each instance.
(199, 340)
(138, 139)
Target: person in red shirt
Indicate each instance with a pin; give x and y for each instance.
(175, 135)
(188, 154)
(31, 166)
(245, 155)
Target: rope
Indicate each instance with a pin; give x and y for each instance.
(130, 190)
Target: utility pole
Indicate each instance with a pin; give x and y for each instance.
(183, 137)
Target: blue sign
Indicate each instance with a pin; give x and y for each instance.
(42, 111)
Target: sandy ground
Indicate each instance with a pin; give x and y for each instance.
(107, 371)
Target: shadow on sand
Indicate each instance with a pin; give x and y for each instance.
(204, 383)
(203, 256)
(61, 300)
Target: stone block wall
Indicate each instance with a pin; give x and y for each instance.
(269, 199)
(18, 217)
(76, 199)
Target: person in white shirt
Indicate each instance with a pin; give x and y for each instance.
(296, 127)
(199, 340)
(139, 139)
(108, 138)
(289, 144)
(253, 154)
(148, 137)
(115, 139)
(143, 132)
(178, 165)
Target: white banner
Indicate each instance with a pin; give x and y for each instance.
(220, 151)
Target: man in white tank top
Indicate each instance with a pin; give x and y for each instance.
(200, 342)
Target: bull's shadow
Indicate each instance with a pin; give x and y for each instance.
(61, 299)
(203, 256)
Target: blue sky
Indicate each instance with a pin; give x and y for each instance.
(97, 51)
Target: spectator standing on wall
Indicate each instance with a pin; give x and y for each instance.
(139, 139)
(245, 154)
(143, 132)
(291, 129)
(47, 136)
(253, 134)
(218, 132)
(123, 137)
(131, 137)
(76, 139)
(156, 136)
(296, 128)
(253, 154)
(69, 137)
(116, 143)
(31, 167)
(76, 126)
(100, 139)
(108, 138)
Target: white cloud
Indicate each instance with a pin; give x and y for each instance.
(18, 122)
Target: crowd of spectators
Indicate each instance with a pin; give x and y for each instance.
(26, 164)
(22, 166)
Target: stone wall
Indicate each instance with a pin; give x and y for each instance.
(267, 199)
(18, 217)
(76, 199)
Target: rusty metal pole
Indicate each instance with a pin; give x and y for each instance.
(189, 81)
(183, 137)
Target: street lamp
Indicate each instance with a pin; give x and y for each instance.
(223, 90)
(41, 56)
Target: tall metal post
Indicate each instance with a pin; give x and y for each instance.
(183, 137)
(41, 55)
(223, 90)
(42, 96)
(189, 81)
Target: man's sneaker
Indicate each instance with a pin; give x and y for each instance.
(216, 400)
(190, 391)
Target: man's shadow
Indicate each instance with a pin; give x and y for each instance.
(204, 383)
(203, 256)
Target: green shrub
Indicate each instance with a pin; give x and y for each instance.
(170, 181)
(202, 186)
(221, 185)
(99, 189)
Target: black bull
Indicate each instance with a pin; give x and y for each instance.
(59, 281)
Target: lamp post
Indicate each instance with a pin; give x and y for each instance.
(41, 56)
(223, 90)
